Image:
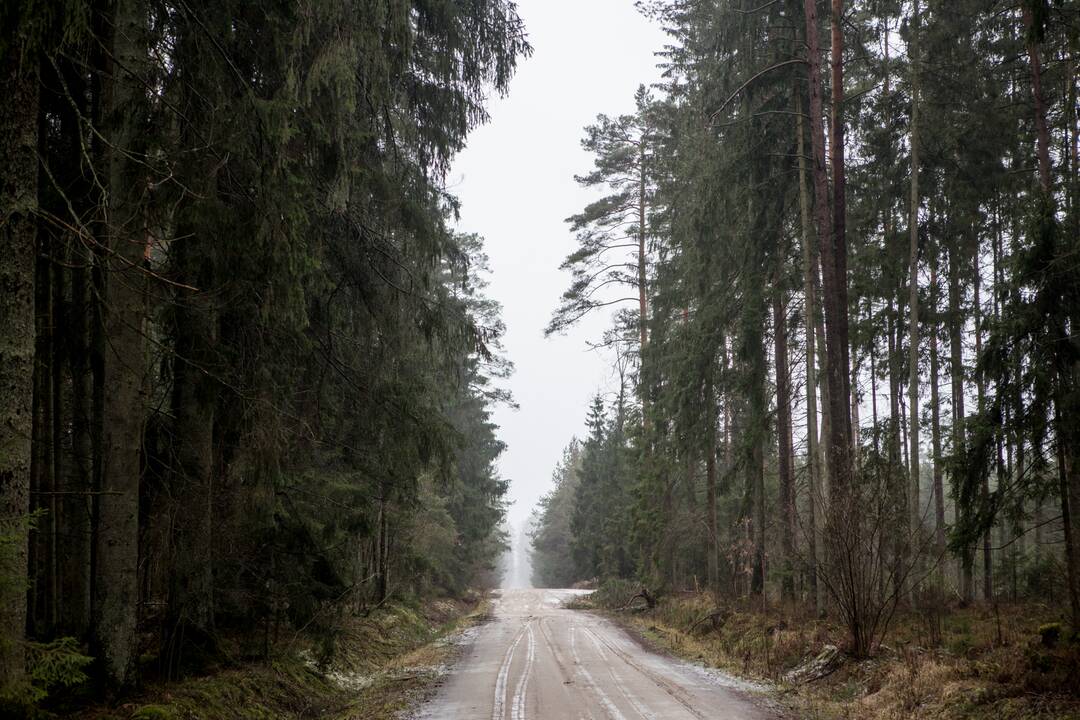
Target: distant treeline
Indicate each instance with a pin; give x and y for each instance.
(246, 370)
(846, 240)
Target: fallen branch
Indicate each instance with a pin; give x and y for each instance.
(644, 594)
(718, 617)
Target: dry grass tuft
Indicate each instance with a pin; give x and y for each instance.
(991, 662)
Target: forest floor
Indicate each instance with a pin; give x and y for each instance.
(384, 663)
(988, 663)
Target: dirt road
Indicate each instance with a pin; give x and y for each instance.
(539, 661)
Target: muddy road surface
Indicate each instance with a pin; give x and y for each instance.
(539, 661)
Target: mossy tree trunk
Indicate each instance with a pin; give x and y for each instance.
(116, 598)
(18, 201)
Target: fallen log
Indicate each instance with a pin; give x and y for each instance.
(825, 663)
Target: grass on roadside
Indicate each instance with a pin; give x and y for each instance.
(383, 663)
(990, 663)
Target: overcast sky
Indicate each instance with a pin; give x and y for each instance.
(516, 184)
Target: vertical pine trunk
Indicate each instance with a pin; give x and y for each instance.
(712, 548)
(839, 216)
(914, 503)
(643, 297)
(195, 390)
(856, 423)
(874, 392)
(42, 484)
(893, 332)
(18, 201)
(956, 372)
(1068, 377)
(58, 430)
(834, 282)
(75, 505)
(809, 315)
(980, 379)
(191, 596)
(1017, 409)
(898, 492)
(124, 317)
(1042, 132)
(935, 423)
(784, 452)
(754, 353)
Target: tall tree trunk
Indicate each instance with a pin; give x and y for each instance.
(839, 216)
(809, 316)
(980, 380)
(758, 411)
(191, 602)
(897, 478)
(935, 423)
(1016, 410)
(1042, 133)
(956, 371)
(712, 545)
(914, 502)
(18, 204)
(834, 279)
(642, 274)
(42, 484)
(75, 506)
(893, 333)
(124, 317)
(784, 452)
(1068, 377)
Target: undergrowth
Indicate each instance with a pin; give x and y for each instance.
(990, 663)
(381, 664)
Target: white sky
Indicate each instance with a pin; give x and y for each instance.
(516, 184)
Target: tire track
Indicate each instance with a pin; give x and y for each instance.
(517, 711)
(640, 709)
(660, 682)
(499, 705)
(565, 672)
(609, 707)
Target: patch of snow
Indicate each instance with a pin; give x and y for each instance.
(717, 676)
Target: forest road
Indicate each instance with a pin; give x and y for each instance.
(539, 661)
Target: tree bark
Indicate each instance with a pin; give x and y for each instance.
(124, 315)
(1042, 133)
(195, 390)
(75, 618)
(191, 602)
(75, 506)
(1068, 377)
(913, 287)
(712, 546)
(643, 298)
(935, 424)
(43, 452)
(839, 217)
(18, 204)
(956, 372)
(784, 452)
(980, 380)
(834, 282)
(809, 325)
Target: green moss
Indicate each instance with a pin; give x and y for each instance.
(383, 649)
(1050, 633)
